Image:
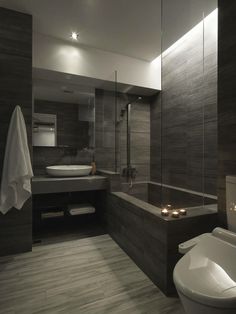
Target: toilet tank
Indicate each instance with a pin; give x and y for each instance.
(231, 202)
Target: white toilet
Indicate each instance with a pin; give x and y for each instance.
(205, 277)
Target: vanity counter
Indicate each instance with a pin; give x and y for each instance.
(46, 184)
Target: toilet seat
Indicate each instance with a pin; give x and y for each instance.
(207, 273)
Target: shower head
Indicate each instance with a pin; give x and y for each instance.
(123, 110)
(135, 100)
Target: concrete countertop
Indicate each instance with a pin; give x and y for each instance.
(46, 184)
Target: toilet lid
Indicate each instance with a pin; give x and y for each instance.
(207, 273)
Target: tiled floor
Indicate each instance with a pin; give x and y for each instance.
(91, 275)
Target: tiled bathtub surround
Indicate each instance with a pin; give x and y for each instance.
(151, 240)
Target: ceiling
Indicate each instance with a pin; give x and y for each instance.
(62, 93)
(127, 27)
(76, 89)
(179, 17)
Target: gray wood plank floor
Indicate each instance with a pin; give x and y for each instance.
(84, 276)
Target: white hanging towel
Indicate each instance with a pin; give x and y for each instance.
(17, 170)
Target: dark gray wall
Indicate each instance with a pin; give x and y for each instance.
(226, 99)
(188, 106)
(15, 89)
(110, 136)
(105, 140)
(140, 136)
(155, 139)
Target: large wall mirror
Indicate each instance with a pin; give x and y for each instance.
(64, 111)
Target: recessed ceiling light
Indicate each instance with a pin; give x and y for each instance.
(74, 35)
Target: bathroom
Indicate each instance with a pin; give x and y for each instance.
(128, 108)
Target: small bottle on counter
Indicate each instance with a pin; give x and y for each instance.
(94, 168)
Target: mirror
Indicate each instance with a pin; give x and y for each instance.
(64, 112)
(44, 129)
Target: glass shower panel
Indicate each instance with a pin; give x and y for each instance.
(182, 103)
(210, 103)
(138, 118)
(133, 128)
(105, 123)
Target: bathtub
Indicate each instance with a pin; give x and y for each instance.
(135, 222)
(159, 195)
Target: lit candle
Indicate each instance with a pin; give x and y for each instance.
(165, 212)
(175, 214)
(168, 206)
(183, 212)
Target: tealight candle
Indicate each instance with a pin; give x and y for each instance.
(183, 212)
(165, 212)
(175, 214)
(168, 206)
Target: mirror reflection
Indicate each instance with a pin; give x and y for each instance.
(64, 113)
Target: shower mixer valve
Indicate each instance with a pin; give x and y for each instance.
(129, 172)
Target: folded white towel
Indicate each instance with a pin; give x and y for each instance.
(52, 215)
(17, 169)
(80, 209)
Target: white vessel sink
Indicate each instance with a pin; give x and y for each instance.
(69, 170)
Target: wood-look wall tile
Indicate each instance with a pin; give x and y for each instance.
(15, 89)
(226, 100)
